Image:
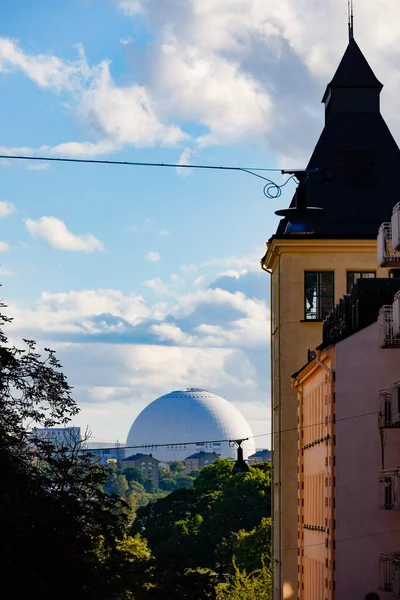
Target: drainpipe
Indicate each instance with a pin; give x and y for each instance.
(331, 433)
(273, 449)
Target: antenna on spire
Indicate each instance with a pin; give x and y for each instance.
(350, 10)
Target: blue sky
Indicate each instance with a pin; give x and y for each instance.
(147, 280)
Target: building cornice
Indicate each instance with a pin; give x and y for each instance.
(277, 247)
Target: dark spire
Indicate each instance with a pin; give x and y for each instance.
(355, 183)
(354, 71)
(351, 19)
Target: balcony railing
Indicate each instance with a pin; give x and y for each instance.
(388, 407)
(387, 256)
(389, 490)
(387, 339)
(389, 573)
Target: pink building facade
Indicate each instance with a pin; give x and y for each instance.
(366, 531)
(349, 461)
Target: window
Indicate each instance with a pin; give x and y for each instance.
(318, 294)
(352, 277)
(386, 573)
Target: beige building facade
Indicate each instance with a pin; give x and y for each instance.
(313, 258)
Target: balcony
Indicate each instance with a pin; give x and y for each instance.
(396, 227)
(387, 337)
(389, 490)
(389, 573)
(388, 407)
(387, 255)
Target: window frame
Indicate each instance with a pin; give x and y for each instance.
(362, 276)
(320, 316)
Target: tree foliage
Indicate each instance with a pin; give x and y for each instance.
(200, 528)
(78, 529)
(244, 586)
(252, 548)
(58, 525)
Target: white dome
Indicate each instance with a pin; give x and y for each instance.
(190, 415)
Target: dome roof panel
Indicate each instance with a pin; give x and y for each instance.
(188, 416)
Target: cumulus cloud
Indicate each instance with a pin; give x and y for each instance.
(152, 257)
(89, 312)
(114, 383)
(6, 208)
(246, 68)
(126, 115)
(45, 70)
(55, 232)
(121, 115)
(4, 247)
(121, 352)
(184, 159)
(157, 285)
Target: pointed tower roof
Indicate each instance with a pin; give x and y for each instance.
(355, 184)
(354, 71)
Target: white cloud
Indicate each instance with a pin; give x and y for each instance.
(130, 7)
(41, 166)
(211, 339)
(55, 232)
(164, 232)
(231, 103)
(184, 159)
(6, 208)
(6, 272)
(247, 328)
(114, 383)
(120, 114)
(79, 312)
(45, 70)
(157, 285)
(251, 261)
(4, 247)
(200, 281)
(152, 256)
(175, 278)
(257, 68)
(125, 115)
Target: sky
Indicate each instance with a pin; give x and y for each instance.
(147, 280)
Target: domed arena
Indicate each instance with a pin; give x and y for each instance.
(190, 415)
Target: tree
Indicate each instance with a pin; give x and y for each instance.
(199, 528)
(177, 467)
(134, 474)
(245, 586)
(55, 518)
(252, 548)
(116, 484)
(213, 477)
(149, 486)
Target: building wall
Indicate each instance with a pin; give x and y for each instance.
(191, 464)
(363, 530)
(195, 464)
(290, 339)
(148, 465)
(60, 435)
(316, 518)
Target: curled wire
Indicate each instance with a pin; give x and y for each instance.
(272, 190)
